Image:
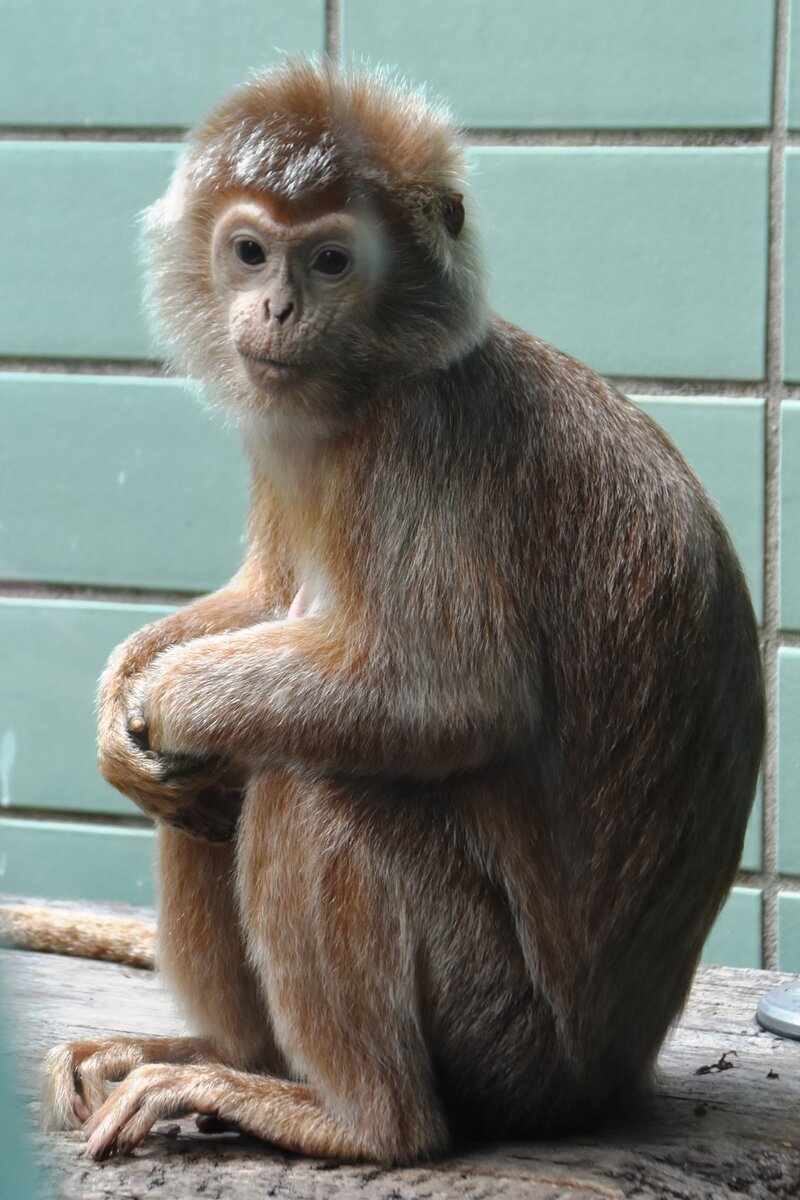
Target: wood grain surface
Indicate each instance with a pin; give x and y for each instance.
(715, 1135)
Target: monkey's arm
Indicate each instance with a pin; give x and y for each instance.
(197, 793)
(240, 603)
(305, 691)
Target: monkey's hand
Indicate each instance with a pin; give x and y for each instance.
(174, 706)
(199, 794)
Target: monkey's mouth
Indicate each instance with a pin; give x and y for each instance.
(275, 367)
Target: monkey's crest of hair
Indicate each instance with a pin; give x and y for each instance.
(306, 132)
(305, 127)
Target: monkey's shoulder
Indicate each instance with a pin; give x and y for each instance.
(590, 472)
(574, 421)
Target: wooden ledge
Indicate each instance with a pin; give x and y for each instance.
(715, 1135)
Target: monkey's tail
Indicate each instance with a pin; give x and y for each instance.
(81, 933)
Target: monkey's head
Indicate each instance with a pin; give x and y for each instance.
(314, 234)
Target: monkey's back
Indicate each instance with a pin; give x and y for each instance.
(615, 828)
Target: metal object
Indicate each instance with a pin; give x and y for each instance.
(779, 1010)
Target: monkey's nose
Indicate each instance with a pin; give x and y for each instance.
(280, 316)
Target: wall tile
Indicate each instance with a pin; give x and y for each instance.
(117, 481)
(70, 284)
(793, 113)
(789, 931)
(627, 264)
(791, 269)
(51, 656)
(579, 63)
(91, 62)
(639, 261)
(735, 940)
(752, 859)
(722, 439)
(790, 515)
(67, 861)
(789, 760)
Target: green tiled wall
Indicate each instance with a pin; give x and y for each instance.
(626, 264)
(789, 760)
(789, 932)
(579, 63)
(117, 482)
(791, 315)
(51, 656)
(790, 514)
(76, 861)
(794, 68)
(752, 853)
(722, 439)
(610, 225)
(70, 284)
(146, 63)
(623, 256)
(735, 940)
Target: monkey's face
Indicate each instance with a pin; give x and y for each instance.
(291, 290)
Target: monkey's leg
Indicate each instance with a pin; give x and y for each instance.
(77, 1074)
(202, 953)
(287, 1114)
(334, 942)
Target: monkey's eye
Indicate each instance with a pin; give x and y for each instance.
(250, 252)
(331, 262)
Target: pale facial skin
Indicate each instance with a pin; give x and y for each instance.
(287, 286)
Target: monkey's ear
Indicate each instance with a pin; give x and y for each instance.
(452, 211)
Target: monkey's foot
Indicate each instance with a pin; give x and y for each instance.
(77, 1078)
(149, 1094)
(275, 1110)
(78, 1075)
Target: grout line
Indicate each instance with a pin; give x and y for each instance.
(150, 368)
(732, 139)
(11, 589)
(31, 816)
(688, 387)
(97, 133)
(36, 589)
(333, 30)
(30, 365)
(774, 395)
(712, 138)
(761, 880)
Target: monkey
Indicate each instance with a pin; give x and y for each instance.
(452, 778)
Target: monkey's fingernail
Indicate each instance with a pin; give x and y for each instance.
(137, 732)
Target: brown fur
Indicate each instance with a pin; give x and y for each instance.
(82, 933)
(491, 776)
